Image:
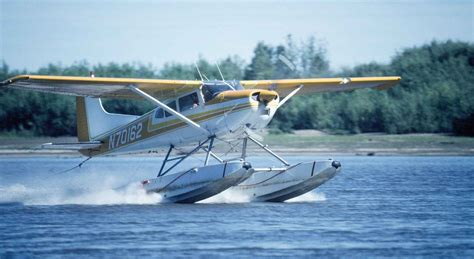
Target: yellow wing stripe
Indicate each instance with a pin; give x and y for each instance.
(313, 85)
(102, 86)
(103, 80)
(165, 89)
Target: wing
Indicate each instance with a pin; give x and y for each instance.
(316, 85)
(102, 86)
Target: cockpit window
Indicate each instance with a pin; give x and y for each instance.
(188, 102)
(211, 90)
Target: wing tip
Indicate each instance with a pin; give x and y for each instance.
(391, 81)
(12, 80)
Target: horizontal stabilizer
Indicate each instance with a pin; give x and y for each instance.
(72, 146)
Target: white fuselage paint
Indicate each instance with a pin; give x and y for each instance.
(226, 125)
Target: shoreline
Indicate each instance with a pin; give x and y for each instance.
(282, 151)
(302, 142)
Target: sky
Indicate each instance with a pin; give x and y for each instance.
(35, 33)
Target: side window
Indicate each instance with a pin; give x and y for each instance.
(188, 102)
(160, 113)
(172, 105)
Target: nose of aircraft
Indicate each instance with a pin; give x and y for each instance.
(258, 95)
(263, 105)
(264, 96)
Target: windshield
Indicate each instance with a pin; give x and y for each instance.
(211, 90)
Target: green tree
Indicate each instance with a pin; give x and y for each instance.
(436, 93)
(261, 66)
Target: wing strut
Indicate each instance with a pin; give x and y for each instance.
(168, 109)
(289, 96)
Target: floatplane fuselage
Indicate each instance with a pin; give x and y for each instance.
(216, 108)
(196, 113)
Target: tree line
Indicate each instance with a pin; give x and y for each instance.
(436, 93)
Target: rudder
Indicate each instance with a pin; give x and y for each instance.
(81, 120)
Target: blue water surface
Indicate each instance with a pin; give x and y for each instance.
(377, 206)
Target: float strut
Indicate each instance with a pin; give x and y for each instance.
(244, 148)
(213, 155)
(268, 150)
(183, 157)
(209, 151)
(166, 160)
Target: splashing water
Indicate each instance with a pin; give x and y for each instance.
(96, 184)
(234, 196)
(130, 194)
(228, 196)
(309, 197)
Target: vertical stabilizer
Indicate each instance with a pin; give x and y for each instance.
(93, 121)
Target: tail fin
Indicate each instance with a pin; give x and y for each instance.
(93, 120)
(81, 120)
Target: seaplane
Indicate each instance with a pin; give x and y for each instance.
(196, 113)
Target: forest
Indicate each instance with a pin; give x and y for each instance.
(435, 95)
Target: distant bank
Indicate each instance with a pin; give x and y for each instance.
(300, 142)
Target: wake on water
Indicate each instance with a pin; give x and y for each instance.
(89, 187)
(309, 197)
(27, 195)
(231, 196)
(100, 188)
(130, 194)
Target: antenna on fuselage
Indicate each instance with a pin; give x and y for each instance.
(220, 72)
(199, 72)
(222, 76)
